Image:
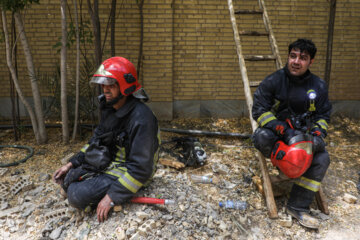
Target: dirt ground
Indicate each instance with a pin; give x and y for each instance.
(342, 178)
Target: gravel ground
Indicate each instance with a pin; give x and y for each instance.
(32, 207)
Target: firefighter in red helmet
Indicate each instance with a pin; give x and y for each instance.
(292, 109)
(112, 167)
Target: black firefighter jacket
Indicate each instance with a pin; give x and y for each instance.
(281, 96)
(134, 147)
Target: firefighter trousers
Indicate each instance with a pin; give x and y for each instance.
(89, 192)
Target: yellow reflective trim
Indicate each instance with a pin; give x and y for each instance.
(130, 183)
(120, 155)
(114, 173)
(309, 184)
(265, 118)
(133, 180)
(323, 124)
(312, 106)
(310, 91)
(83, 149)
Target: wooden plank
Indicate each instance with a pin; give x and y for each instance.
(269, 195)
(321, 201)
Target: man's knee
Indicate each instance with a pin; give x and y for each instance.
(264, 140)
(322, 159)
(319, 166)
(76, 196)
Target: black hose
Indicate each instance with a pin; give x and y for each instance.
(180, 131)
(30, 154)
(30, 126)
(198, 132)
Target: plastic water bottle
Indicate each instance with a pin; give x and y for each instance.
(233, 204)
(201, 179)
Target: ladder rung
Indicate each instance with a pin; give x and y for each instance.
(254, 83)
(259, 57)
(249, 12)
(253, 33)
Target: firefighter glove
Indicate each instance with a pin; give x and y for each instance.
(278, 127)
(318, 132)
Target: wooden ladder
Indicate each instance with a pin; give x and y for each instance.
(267, 186)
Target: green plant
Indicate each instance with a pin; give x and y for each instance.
(85, 35)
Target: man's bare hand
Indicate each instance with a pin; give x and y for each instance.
(60, 174)
(103, 208)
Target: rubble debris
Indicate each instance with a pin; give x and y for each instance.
(3, 171)
(56, 214)
(258, 183)
(171, 163)
(285, 221)
(196, 214)
(349, 198)
(22, 182)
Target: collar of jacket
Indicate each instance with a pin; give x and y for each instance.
(127, 107)
(297, 79)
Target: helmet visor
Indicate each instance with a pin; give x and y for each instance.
(103, 80)
(302, 141)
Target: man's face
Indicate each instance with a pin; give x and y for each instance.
(299, 62)
(111, 91)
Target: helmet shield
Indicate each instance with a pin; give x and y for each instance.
(103, 80)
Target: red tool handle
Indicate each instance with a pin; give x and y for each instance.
(148, 200)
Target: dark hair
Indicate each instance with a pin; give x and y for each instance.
(304, 45)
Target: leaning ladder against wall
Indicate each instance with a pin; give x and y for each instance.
(269, 195)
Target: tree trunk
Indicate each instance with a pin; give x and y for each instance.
(112, 16)
(14, 97)
(64, 109)
(16, 82)
(140, 5)
(330, 42)
(77, 90)
(94, 14)
(33, 79)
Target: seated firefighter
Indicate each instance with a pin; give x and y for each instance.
(292, 109)
(121, 156)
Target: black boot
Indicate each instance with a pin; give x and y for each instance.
(298, 206)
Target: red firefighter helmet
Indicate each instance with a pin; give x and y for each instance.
(295, 158)
(122, 71)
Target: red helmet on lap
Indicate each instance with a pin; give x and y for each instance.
(296, 157)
